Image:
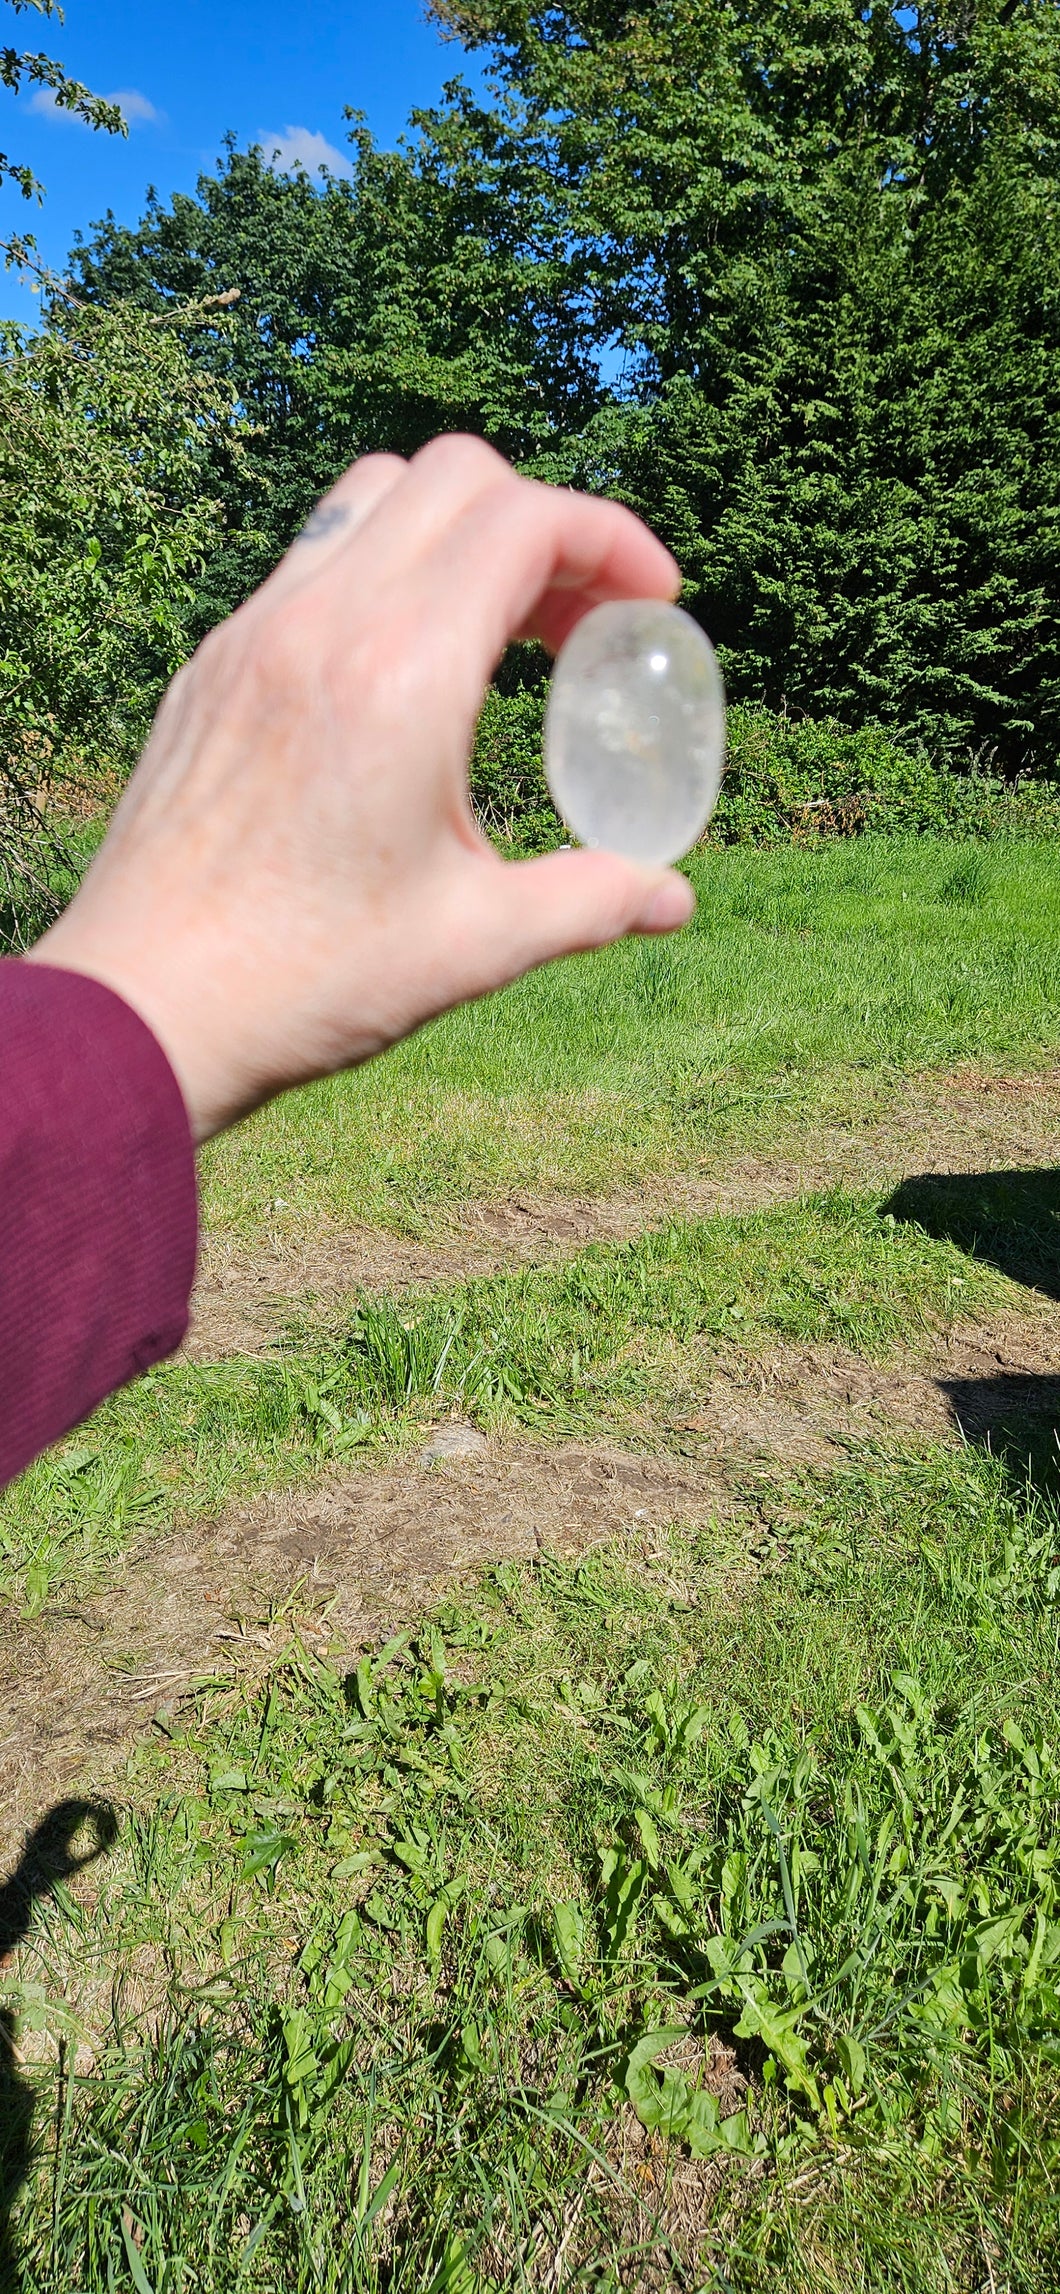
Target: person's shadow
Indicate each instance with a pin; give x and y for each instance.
(1011, 1219)
(70, 1836)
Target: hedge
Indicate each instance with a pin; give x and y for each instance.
(786, 778)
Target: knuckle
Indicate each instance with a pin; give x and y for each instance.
(387, 464)
(457, 454)
(368, 466)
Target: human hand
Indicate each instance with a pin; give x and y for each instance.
(293, 879)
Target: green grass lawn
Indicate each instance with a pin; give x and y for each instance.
(807, 979)
(682, 1917)
(417, 1979)
(611, 1343)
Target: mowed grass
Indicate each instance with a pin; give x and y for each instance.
(808, 978)
(686, 1917)
(612, 1342)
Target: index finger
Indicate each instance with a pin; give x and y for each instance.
(526, 560)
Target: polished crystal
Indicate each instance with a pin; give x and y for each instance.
(635, 731)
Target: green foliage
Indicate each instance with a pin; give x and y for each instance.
(106, 434)
(106, 429)
(508, 787)
(785, 777)
(787, 281)
(798, 777)
(372, 314)
(936, 1874)
(824, 243)
(598, 1872)
(28, 69)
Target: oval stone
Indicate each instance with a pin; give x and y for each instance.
(635, 730)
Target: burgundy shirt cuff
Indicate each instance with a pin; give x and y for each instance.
(98, 1210)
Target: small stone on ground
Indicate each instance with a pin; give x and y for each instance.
(453, 1442)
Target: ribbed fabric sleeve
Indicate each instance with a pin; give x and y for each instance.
(98, 1212)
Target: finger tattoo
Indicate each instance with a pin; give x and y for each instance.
(325, 520)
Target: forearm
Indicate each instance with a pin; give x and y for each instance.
(97, 1204)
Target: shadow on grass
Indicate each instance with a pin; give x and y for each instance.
(70, 1836)
(1017, 1418)
(1011, 1219)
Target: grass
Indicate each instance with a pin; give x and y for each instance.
(620, 1339)
(807, 981)
(684, 1917)
(678, 1918)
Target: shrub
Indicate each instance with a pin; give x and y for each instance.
(802, 777)
(508, 786)
(787, 779)
(107, 430)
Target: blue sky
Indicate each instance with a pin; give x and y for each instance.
(273, 72)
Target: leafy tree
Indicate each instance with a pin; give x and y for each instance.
(107, 435)
(28, 858)
(823, 242)
(787, 279)
(372, 313)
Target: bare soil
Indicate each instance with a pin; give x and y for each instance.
(347, 1559)
(343, 1561)
(362, 1549)
(666, 2196)
(961, 1122)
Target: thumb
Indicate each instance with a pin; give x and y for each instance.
(567, 902)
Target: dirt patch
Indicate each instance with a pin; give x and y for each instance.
(995, 1383)
(348, 1559)
(667, 2195)
(243, 1297)
(976, 1083)
(354, 1555)
(962, 1122)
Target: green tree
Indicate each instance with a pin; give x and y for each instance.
(29, 859)
(787, 279)
(107, 437)
(823, 246)
(373, 312)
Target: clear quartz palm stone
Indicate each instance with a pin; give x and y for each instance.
(635, 731)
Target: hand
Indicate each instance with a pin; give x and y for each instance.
(293, 879)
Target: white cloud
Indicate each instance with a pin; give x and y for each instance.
(43, 101)
(138, 109)
(135, 106)
(300, 147)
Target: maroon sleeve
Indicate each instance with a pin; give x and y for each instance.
(97, 1203)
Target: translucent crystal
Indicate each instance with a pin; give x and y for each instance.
(635, 731)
